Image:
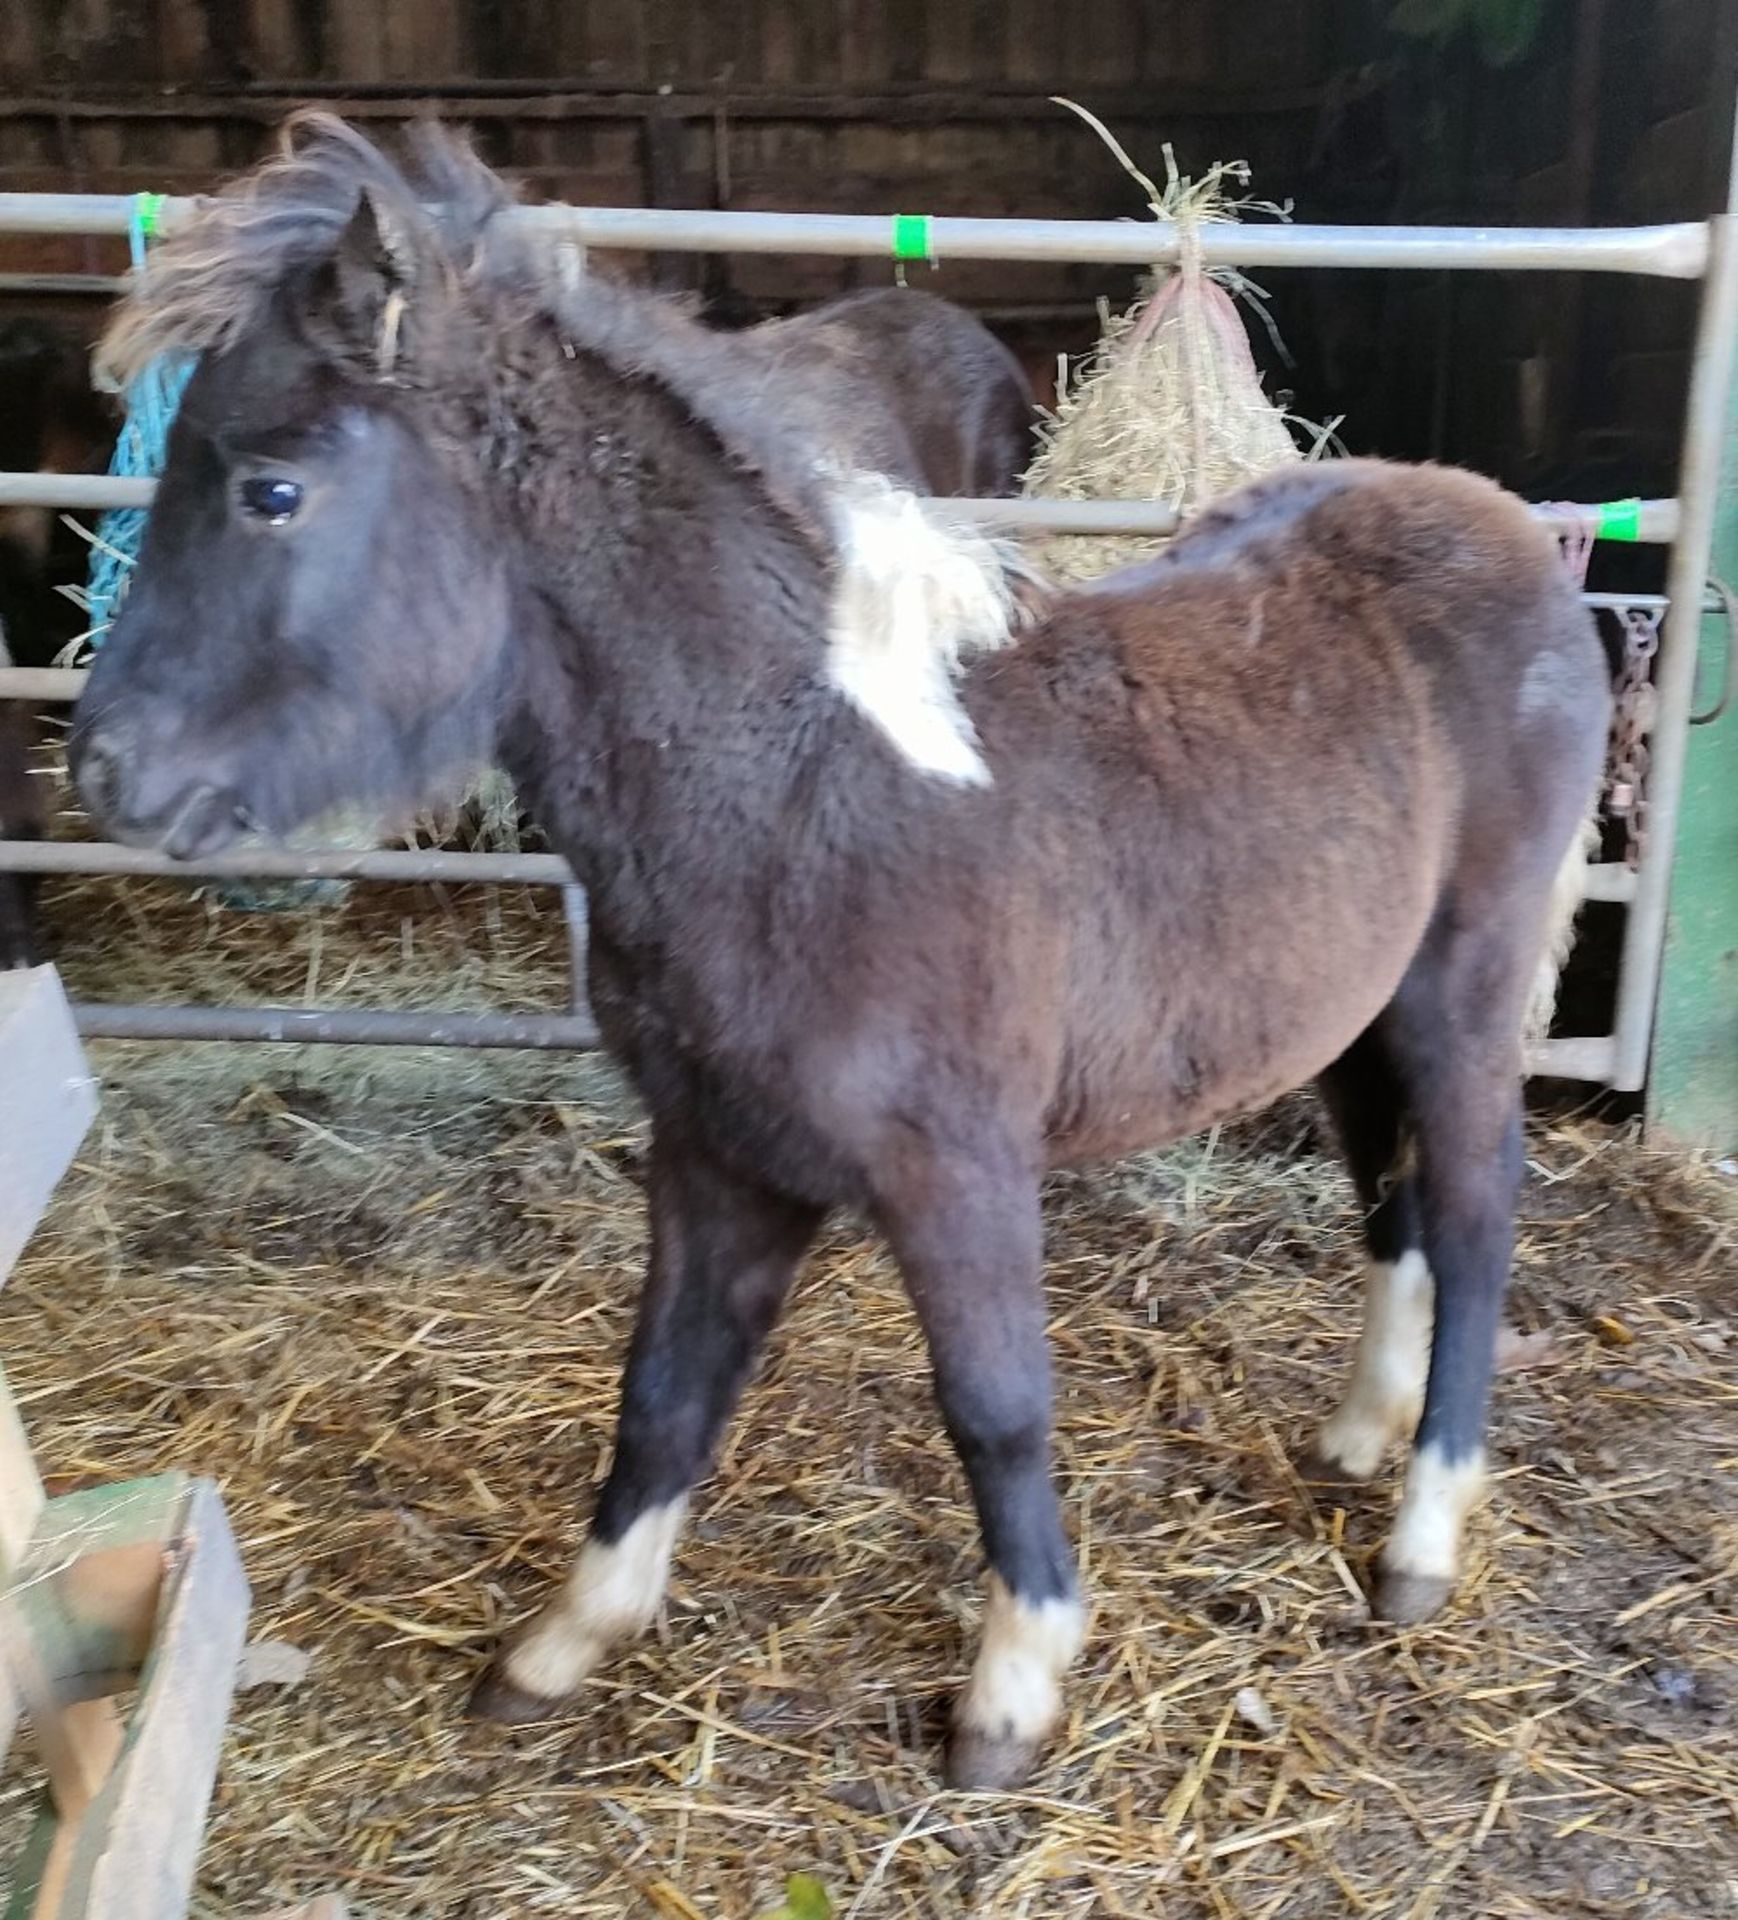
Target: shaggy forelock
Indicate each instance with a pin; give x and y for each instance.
(214, 274)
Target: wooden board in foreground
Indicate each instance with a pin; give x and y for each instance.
(139, 1582)
(47, 1099)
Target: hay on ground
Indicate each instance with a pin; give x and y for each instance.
(382, 1296)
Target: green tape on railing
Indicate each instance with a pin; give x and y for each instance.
(1619, 520)
(147, 212)
(911, 237)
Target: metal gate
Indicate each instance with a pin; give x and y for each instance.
(1707, 251)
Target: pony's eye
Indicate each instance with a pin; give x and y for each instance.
(273, 501)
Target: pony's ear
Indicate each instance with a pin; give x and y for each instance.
(382, 278)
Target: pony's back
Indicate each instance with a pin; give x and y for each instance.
(903, 383)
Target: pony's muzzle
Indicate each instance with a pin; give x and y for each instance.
(183, 818)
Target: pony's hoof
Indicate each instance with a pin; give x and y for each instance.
(1407, 1599)
(988, 1763)
(1317, 1469)
(495, 1697)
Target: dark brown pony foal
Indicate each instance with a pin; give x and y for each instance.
(893, 909)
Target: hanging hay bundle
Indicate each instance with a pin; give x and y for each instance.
(1169, 405)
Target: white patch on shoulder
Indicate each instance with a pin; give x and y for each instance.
(1385, 1394)
(913, 597)
(1027, 1646)
(612, 1593)
(1433, 1510)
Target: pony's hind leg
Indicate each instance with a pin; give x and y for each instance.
(723, 1256)
(1454, 1028)
(1385, 1393)
(968, 1239)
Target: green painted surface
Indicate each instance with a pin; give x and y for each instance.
(32, 1863)
(1692, 1096)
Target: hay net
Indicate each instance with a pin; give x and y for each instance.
(1168, 406)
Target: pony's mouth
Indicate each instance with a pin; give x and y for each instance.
(206, 820)
(203, 820)
(139, 801)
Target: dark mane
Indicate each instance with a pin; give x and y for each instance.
(216, 274)
(641, 336)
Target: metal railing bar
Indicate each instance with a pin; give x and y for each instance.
(340, 1026)
(1656, 520)
(1675, 252)
(284, 863)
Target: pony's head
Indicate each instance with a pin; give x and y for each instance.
(320, 608)
(331, 602)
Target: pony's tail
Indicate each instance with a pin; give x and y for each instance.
(1568, 890)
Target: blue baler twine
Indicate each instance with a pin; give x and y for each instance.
(152, 397)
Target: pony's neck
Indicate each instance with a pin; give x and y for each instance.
(669, 690)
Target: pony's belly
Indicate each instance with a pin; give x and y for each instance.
(1198, 1064)
(1139, 1122)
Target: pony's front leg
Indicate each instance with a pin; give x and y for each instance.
(723, 1256)
(968, 1240)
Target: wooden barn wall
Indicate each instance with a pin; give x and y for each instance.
(937, 106)
(1566, 386)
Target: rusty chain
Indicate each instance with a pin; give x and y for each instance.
(1632, 723)
(1635, 704)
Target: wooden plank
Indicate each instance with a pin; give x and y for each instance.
(284, 39)
(73, 1630)
(1036, 50)
(79, 1744)
(139, 1843)
(83, 1605)
(77, 1738)
(133, 1851)
(901, 99)
(614, 47)
(47, 1100)
(31, 1870)
(951, 52)
(1106, 42)
(76, 1624)
(21, 1496)
(11, 1712)
(25, 48)
(357, 38)
(21, 1502)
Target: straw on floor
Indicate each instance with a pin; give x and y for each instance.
(383, 1298)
